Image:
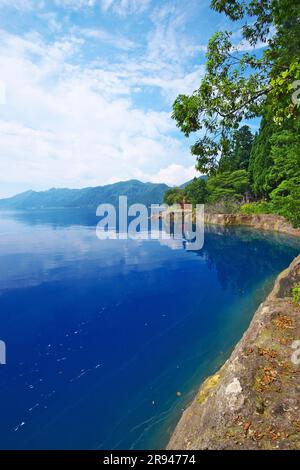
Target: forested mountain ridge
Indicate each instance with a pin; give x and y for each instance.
(136, 191)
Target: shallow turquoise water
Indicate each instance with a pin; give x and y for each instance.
(101, 335)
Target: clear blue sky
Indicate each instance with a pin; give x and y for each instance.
(86, 89)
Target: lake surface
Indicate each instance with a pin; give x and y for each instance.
(108, 340)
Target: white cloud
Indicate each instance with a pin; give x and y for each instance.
(53, 23)
(75, 4)
(245, 46)
(21, 4)
(173, 175)
(162, 65)
(67, 125)
(167, 41)
(242, 45)
(70, 119)
(186, 83)
(125, 7)
(41, 4)
(114, 40)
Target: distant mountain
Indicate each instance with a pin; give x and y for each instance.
(202, 177)
(136, 191)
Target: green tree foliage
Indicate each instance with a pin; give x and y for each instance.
(196, 192)
(228, 185)
(237, 85)
(238, 157)
(275, 167)
(285, 172)
(173, 196)
(261, 160)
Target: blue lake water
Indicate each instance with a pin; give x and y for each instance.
(102, 335)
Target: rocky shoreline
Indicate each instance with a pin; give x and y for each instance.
(253, 401)
(268, 222)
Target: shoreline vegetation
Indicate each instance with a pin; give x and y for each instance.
(245, 114)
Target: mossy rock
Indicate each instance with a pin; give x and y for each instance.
(207, 387)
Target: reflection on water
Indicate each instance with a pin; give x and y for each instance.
(102, 334)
